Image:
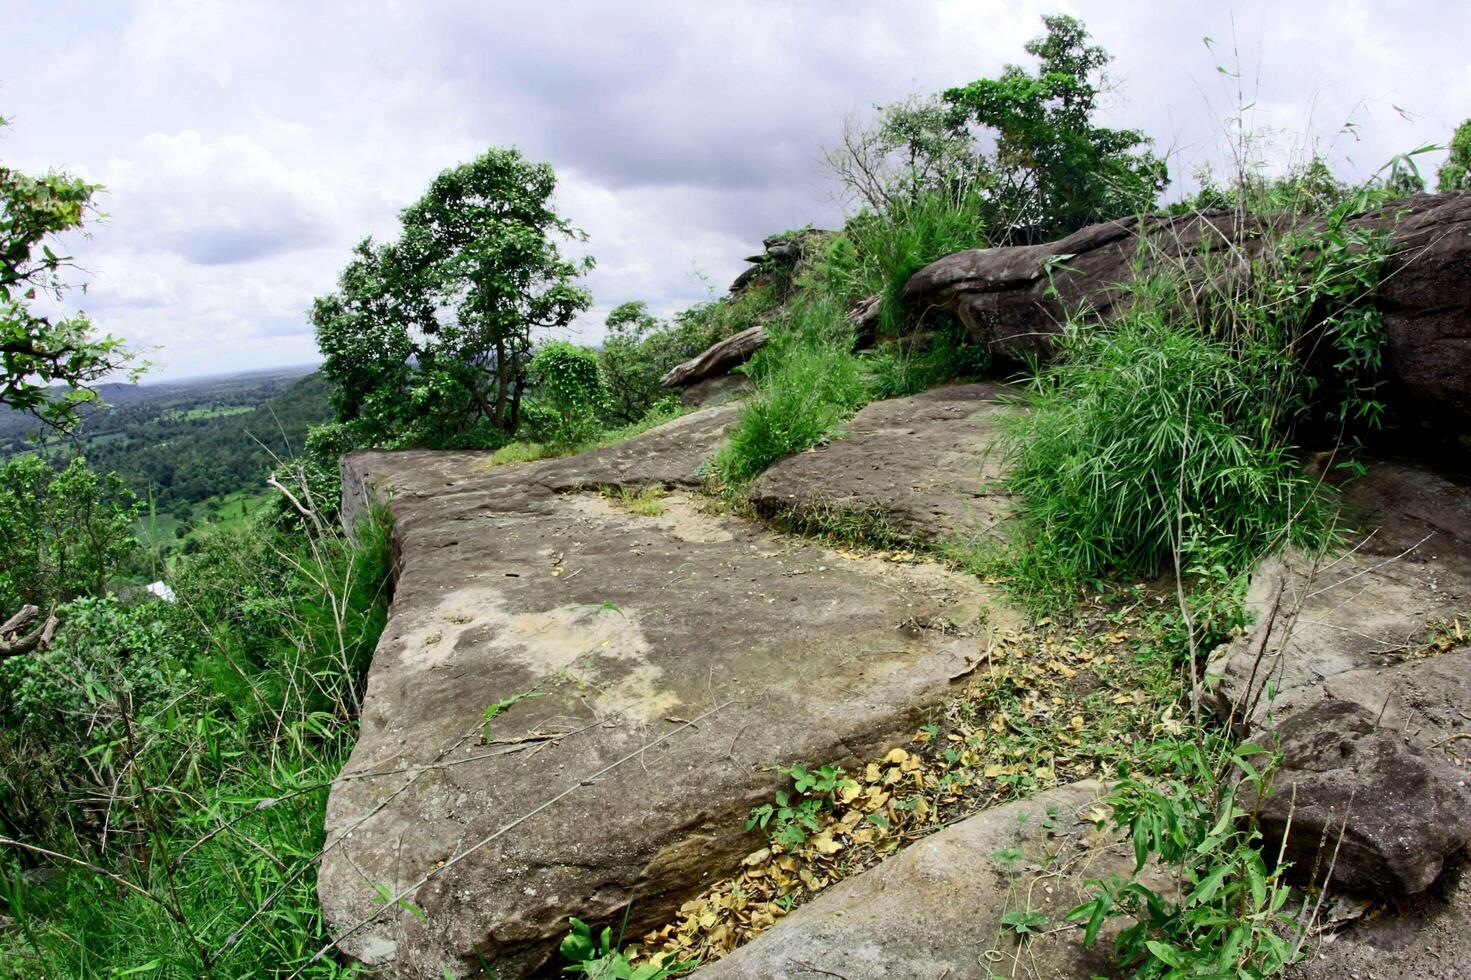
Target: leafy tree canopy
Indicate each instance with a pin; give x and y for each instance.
(48, 363)
(1053, 170)
(428, 337)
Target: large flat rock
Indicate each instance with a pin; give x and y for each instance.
(928, 467)
(652, 668)
(936, 909)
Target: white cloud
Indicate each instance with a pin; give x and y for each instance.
(247, 146)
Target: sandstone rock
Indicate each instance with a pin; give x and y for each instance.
(921, 468)
(1399, 810)
(779, 258)
(716, 391)
(935, 909)
(1347, 665)
(1016, 298)
(717, 359)
(648, 669)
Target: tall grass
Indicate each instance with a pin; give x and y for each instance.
(808, 378)
(193, 823)
(1148, 437)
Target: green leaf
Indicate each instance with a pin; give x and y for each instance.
(1165, 953)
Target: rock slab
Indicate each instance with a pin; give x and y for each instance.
(935, 909)
(1015, 299)
(574, 706)
(924, 468)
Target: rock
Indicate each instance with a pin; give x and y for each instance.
(717, 359)
(716, 391)
(1385, 812)
(1016, 298)
(648, 672)
(1354, 625)
(781, 254)
(934, 910)
(921, 468)
(1355, 665)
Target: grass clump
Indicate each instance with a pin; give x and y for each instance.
(809, 379)
(1144, 438)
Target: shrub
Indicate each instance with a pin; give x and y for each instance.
(808, 382)
(1148, 435)
(568, 379)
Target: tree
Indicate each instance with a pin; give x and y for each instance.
(1455, 173)
(64, 533)
(1052, 170)
(49, 364)
(912, 149)
(428, 337)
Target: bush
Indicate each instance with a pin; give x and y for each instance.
(569, 381)
(204, 792)
(1147, 436)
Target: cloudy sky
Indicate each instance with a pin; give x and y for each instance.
(246, 145)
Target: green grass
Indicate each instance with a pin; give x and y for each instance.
(808, 378)
(1148, 439)
(218, 797)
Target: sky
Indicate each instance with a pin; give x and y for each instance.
(246, 146)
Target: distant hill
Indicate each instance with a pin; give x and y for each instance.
(185, 441)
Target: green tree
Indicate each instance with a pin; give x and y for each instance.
(913, 148)
(1455, 173)
(49, 364)
(1053, 170)
(428, 337)
(62, 534)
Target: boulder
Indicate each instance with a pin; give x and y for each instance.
(779, 258)
(1015, 299)
(935, 909)
(573, 705)
(1356, 667)
(717, 359)
(915, 469)
(1385, 812)
(716, 391)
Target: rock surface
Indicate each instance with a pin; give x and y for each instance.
(1367, 655)
(647, 668)
(1391, 812)
(1016, 298)
(717, 359)
(1429, 938)
(935, 909)
(921, 468)
(716, 391)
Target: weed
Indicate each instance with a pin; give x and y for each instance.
(795, 815)
(1228, 919)
(645, 501)
(601, 959)
(495, 708)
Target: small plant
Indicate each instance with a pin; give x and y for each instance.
(597, 957)
(796, 814)
(1024, 924)
(495, 708)
(1229, 920)
(645, 501)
